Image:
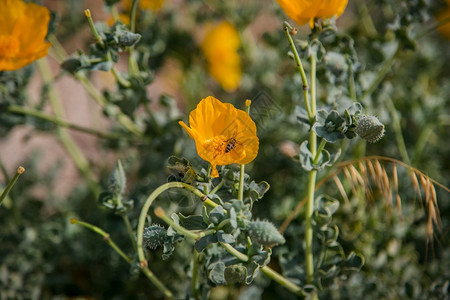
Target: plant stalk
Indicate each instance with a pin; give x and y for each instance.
(20, 171)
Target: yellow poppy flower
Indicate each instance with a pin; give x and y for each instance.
(223, 134)
(304, 11)
(23, 28)
(153, 5)
(444, 29)
(220, 48)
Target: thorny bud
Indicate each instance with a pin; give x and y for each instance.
(264, 233)
(154, 236)
(369, 128)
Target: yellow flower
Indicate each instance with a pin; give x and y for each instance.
(153, 5)
(444, 29)
(23, 28)
(223, 134)
(220, 48)
(304, 11)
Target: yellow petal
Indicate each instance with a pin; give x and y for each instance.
(10, 11)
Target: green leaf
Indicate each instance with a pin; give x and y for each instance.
(217, 273)
(204, 242)
(225, 237)
(194, 222)
(216, 215)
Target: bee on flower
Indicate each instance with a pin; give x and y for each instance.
(223, 135)
(23, 28)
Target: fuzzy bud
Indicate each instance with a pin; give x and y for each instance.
(264, 233)
(369, 128)
(154, 236)
(235, 274)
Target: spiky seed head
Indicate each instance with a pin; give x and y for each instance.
(369, 128)
(154, 236)
(264, 233)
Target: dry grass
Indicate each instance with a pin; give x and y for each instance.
(370, 174)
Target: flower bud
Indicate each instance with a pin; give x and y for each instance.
(369, 128)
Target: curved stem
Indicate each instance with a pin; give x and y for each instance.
(149, 202)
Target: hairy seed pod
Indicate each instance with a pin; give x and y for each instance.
(264, 233)
(154, 236)
(369, 128)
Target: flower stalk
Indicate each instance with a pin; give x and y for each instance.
(20, 171)
(288, 29)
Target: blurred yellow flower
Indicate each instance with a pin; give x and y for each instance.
(304, 11)
(153, 5)
(444, 29)
(223, 134)
(220, 48)
(23, 28)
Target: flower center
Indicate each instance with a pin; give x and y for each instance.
(217, 145)
(9, 46)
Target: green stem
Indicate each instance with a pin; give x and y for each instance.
(280, 279)
(305, 87)
(241, 183)
(105, 236)
(122, 81)
(309, 260)
(133, 67)
(98, 38)
(149, 202)
(129, 230)
(397, 130)
(322, 144)
(149, 274)
(134, 6)
(8, 188)
(230, 249)
(60, 122)
(217, 187)
(194, 282)
(64, 137)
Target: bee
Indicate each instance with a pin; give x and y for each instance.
(231, 144)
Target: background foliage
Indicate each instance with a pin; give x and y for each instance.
(385, 54)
